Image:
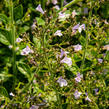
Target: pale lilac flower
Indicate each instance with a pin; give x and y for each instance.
(66, 60)
(100, 60)
(106, 47)
(58, 33)
(77, 94)
(88, 99)
(18, 40)
(11, 94)
(74, 13)
(40, 9)
(63, 53)
(96, 91)
(85, 10)
(33, 26)
(10, 46)
(82, 27)
(54, 2)
(77, 47)
(78, 78)
(34, 107)
(62, 82)
(75, 28)
(26, 51)
(17, 48)
(57, 7)
(65, 2)
(63, 16)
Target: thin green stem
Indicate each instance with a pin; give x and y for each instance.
(71, 3)
(62, 2)
(12, 28)
(43, 2)
(84, 55)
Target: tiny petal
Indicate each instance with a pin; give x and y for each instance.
(54, 2)
(88, 99)
(77, 94)
(74, 13)
(57, 7)
(76, 27)
(18, 40)
(33, 26)
(17, 48)
(40, 9)
(82, 27)
(106, 47)
(63, 16)
(26, 51)
(34, 107)
(100, 60)
(77, 47)
(11, 94)
(10, 46)
(67, 60)
(62, 82)
(58, 33)
(78, 78)
(63, 53)
(85, 10)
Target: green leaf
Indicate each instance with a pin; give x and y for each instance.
(5, 36)
(18, 12)
(23, 29)
(24, 69)
(37, 42)
(107, 55)
(40, 21)
(3, 91)
(3, 18)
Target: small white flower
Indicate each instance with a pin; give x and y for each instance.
(11, 94)
(40, 9)
(58, 33)
(67, 60)
(63, 53)
(17, 48)
(18, 40)
(106, 47)
(88, 99)
(26, 51)
(100, 60)
(78, 78)
(82, 27)
(62, 82)
(34, 107)
(57, 7)
(77, 47)
(85, 10)
(74, 13)
(33, 26)
(77, 94)
(63, 16)
(10, 46)
(54, 2)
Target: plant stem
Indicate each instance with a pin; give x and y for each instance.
(43, 4)
(71, 3)
(62, 2)
(84, 55)
(12, 27)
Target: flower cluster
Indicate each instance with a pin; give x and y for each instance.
(62, 82)
(26, 51)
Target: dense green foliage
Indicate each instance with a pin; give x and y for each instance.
(54, 54)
